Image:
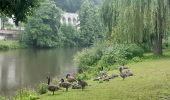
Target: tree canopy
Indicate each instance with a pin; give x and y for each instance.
(73, 5)
(42, 29)
(138, 21)
(18, 9)
(91, 26)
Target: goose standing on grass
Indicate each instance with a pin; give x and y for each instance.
(65, 84)
(82, 83)
(52, 87)
(70, 78)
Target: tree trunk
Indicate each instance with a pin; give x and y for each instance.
(157, 45)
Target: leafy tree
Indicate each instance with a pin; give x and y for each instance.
(70, 36)
(18, 9)
(73, 5)
(138, 21)
(69, 5)
(91, 27)
(43, 27)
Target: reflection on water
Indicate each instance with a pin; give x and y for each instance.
(25, 68)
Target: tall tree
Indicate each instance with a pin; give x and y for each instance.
(69, 5)
(42, 29)
(138, 21)
(18, 9)
(91, 26)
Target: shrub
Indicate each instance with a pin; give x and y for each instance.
(99, 58)
(42, 88)
(134, 51)
(87, 58)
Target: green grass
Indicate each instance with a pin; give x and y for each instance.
(151, 82)
(11, 44)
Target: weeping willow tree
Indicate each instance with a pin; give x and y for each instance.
(138, 21)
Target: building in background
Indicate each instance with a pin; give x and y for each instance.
(70, 19)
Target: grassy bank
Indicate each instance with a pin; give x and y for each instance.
(11, 44)
(151, 82)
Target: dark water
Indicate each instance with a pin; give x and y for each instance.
(25, 68)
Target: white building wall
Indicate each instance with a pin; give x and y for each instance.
(70, 18)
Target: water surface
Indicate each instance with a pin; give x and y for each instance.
(25, 68)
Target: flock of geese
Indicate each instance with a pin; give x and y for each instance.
(71, 81)
(81, 84)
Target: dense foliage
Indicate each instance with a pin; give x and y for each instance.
(42, 29)
(69, 5)
(18, 9)
(70, 36)
(104, 56)
(141, 21)
(73, 5)
(91, 27)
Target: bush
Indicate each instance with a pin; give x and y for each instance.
(87, 58)
(99, 58)
(42, 88)
(134, 51)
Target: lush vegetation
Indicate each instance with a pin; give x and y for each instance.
(106, 57)
(9, 44)
(73, 5)
(129, 28)
(44, 29)
(141, 21)
(91, 27)
(151, 82)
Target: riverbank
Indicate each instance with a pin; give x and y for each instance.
(151, 82)
(11, 44)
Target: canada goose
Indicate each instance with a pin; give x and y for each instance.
(125, 72)
(122, 73)
(82, 83)
(52, 87)
(70, 78)
(65, 84)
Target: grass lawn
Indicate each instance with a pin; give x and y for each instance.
(151, 82)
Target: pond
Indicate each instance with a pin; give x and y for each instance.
(25, 68)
